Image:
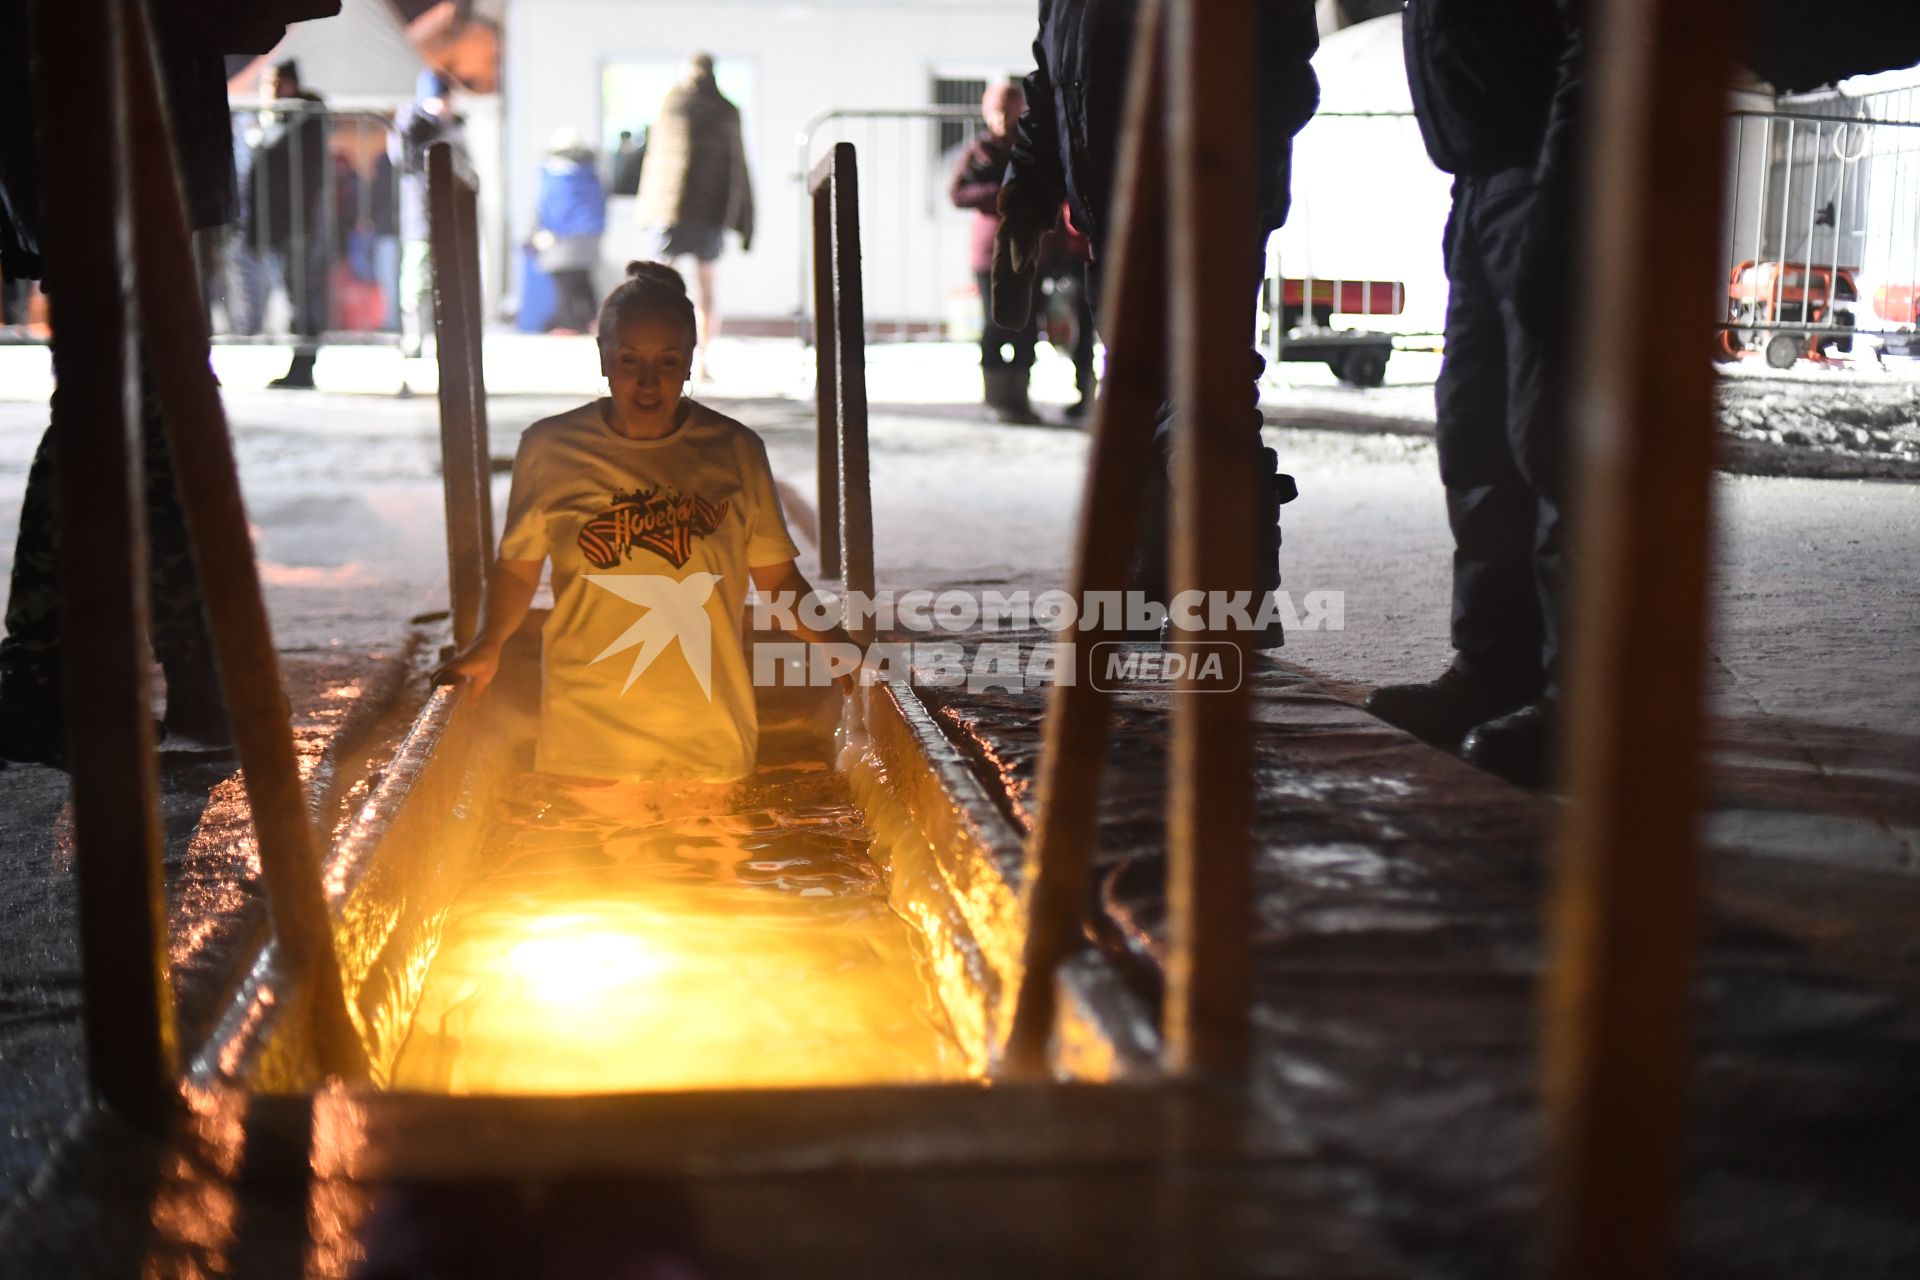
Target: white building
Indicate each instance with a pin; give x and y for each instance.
(600, 66)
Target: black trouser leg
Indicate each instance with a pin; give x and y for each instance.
(993, 338)
(1085, 380)
(1271, 489)
(1499, 433)
(575, 306)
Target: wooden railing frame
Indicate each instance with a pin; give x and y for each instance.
(844, 467)
(466, 464)
(1627, 896)
(132, 1053)
(102, 156)
(1628, 890)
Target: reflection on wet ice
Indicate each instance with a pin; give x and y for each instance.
(716, 940)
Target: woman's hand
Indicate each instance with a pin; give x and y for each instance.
(477, 664)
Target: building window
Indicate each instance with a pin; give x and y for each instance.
(957, 91)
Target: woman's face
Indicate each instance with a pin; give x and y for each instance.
(646, 361)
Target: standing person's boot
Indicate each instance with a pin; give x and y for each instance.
(1006, 396)
(196, 703)
(1518, 746)
(299, 374)
(1443, 711)
(33, 717)
(1277, 488)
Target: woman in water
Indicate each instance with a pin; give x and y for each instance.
(655, 512)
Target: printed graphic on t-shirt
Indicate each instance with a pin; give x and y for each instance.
(662, 520)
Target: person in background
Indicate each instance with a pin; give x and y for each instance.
(382, 218)
(624, 165)
(694, 188)
(1066, 261)
(570, 216)
(1067, 147)
(289, 214)
(1501, 428)
(1006, 353)
(430, 118)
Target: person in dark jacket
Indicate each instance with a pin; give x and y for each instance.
(694, 188)
(1497, 88)
(287, 214)
(1067, 147)
(1006, 354)
(192, 39)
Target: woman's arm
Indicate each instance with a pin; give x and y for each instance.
(510, 589)
(785, 578)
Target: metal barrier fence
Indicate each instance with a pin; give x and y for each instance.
(315, 255)
(1823, 234)
(919, 281)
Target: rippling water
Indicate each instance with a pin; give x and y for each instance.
(719, 938)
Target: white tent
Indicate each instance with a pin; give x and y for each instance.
(1367, 202)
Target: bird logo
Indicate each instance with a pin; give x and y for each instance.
(675, 609)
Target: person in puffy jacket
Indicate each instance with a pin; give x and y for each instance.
(571, 215)
(1067, 147)
(694, 188)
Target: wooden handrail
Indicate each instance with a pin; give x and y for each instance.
(1059, 852)
(128, 1004)
(1210, 81)
(465, 458)
(1627, 897)
(175, 332)
(826, 365)
(845, 470)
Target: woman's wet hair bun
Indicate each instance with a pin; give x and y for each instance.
(658, 275)
(650, 289)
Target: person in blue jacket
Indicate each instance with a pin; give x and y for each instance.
(570, 217)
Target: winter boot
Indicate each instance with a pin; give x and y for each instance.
(1006, 397)
(196, 704)
(1441, 712)
(33, 718)
(1518, 746)
(299, 374)
(1277, 488)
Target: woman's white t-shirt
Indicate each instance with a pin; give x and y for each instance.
(643, 672)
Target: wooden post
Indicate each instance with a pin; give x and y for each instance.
(1215, 231)
(1055, 870)
(175, 330)
(127, 1001)
(850, 366)
(826, 353)
(1627, 895)
(474, 327)
(467, 555)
